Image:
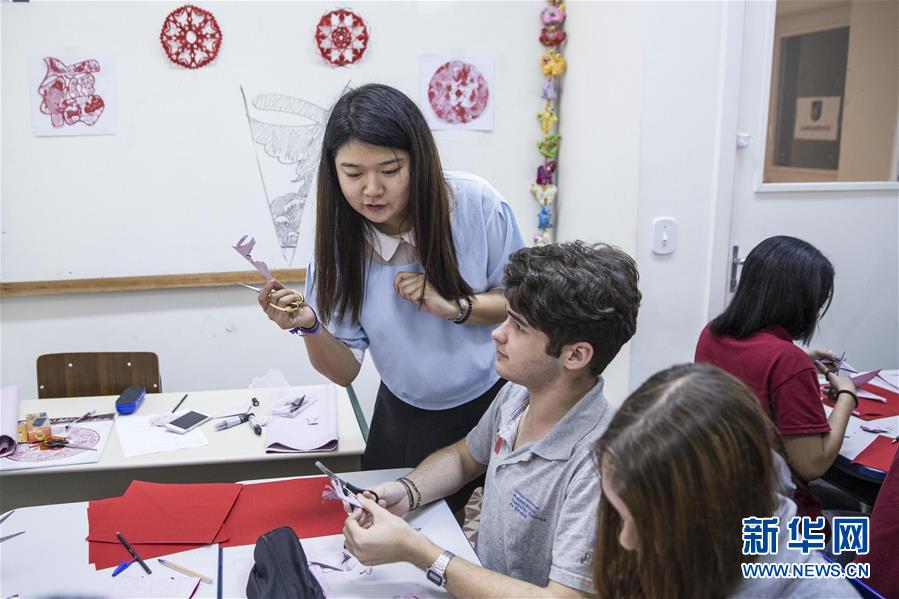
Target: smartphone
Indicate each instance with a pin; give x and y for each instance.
(187, 422)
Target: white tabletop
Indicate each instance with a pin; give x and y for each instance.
(61, 530)
(237, 444)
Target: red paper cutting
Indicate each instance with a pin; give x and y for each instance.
(879, 454)
(191, 37)
(166, 513)
(342, 37)
(869, 409)
(68, 92)
(458, 92)
(296, 503)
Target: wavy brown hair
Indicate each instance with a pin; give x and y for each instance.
(381, 116)
(690, 455)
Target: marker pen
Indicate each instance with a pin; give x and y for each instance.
(232, 421)
(256, 427)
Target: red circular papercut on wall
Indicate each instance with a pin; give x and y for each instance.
(191, 37)
(342, 37)
(458, 92)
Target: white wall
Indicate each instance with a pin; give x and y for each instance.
(646, 104)
(682, 110)
(599, 157)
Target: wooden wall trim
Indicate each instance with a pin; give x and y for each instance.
(204, 279)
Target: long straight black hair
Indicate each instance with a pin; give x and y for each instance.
(785, 281)
(381, 116)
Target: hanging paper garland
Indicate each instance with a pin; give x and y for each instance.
(552, 65)
(191, 37)
(342, 37)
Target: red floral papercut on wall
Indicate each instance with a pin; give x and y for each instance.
(68, 92)
(458, 92)
(191, 37)
(342, 37)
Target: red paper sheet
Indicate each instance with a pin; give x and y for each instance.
(105, 555)
(879, 454)
(165, 513)
(296, 503)
(868, 409)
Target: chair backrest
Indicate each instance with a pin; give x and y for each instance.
(96, 373)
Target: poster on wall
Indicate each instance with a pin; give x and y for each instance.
(817, 118)
(457, 92)
(72, 94)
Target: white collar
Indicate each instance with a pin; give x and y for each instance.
(386, 245)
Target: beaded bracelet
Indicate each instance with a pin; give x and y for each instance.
(315, 329)
(465, 308)
(406, 486)
(417, 493)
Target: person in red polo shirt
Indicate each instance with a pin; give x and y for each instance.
(785, 288)
(884, 549)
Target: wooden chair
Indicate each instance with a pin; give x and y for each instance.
(96, 373)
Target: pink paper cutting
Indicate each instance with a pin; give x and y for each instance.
(244, 250)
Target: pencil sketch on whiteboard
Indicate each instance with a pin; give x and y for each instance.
(291, 137)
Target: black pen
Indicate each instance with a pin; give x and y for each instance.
(178, 405)
(133, 553)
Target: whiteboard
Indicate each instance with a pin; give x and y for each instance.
(178, 183)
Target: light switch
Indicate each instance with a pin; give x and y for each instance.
(664, 235)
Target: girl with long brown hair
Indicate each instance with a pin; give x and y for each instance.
(687, 456)
(408, 266)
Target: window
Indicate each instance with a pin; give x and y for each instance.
(834, 92)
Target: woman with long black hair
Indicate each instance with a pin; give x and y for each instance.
(785, 288)
(408, 266)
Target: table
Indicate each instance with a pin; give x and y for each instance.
(858, 480)
(24, 567)
(231, 455)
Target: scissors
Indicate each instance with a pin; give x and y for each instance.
(344, 485)
(60, 442)
(15, 534)
(293, 307)
(254, 403)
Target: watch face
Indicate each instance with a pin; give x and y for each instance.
(435, 578)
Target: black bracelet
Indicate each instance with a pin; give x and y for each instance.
(466, 306)
(853, 395)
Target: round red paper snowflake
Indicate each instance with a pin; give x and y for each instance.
(191, 37)
(458, 92)
(342, 37)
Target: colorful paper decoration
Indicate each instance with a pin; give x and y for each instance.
(191, 37)
(342, 37)
(458, 92)
(552, 65)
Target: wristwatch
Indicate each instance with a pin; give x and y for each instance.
(437, 572)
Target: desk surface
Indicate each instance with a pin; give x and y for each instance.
(237, 444)
(24, 570)
(230, 455)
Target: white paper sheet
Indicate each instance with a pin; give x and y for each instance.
(92, 432)
(314, 429)
(138, 437)
(856, 439)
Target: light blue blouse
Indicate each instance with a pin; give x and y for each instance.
(427, 361)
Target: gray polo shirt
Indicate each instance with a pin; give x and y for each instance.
(538, 520)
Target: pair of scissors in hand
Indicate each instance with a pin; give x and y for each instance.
(292, 307)
(344, 485)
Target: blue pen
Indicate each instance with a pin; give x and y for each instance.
(121, 568)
